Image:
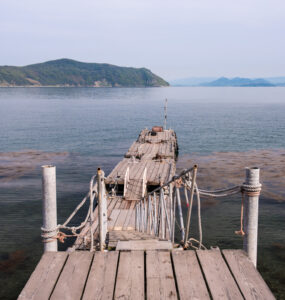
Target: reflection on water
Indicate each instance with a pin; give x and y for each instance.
(223, 169)
(14, 165)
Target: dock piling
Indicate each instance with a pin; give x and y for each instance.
(49, 228)
(251, 189)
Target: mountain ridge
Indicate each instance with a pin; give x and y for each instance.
(225, 81)
(68, 72)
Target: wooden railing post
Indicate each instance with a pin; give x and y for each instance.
(190, 205)
(49, 229)
(91, 197)
(126, 180)
(251, 188)
(102, 209)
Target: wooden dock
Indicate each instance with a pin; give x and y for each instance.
(134, 226)
(176, 274)
(153, 153)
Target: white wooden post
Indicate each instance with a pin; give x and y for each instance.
(251, 189)
(91, 197)
(177, 191)
(144, 182)
(189, 212)
(49, 228)
(126, 180)
(102, 209)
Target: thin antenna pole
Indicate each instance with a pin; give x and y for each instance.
(165, 114)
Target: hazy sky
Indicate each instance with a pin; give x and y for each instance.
(174, 39)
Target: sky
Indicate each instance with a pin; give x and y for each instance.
(174, 39)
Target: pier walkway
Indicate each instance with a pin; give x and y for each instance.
(176, 274)
(136, 243)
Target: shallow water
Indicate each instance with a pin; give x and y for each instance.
(79, 129)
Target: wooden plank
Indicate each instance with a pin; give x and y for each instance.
(159, 276)
(102, 276)
(130, 278)
(73, 277)
(151, 244)
(219, 279)
(248, 278)
(123, 214)
(128, 217)
(114, 215)
(190, 281)
(132, 221)
(44, 277)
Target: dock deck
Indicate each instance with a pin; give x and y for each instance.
(153, 153)
(135, 227)
(176, 274)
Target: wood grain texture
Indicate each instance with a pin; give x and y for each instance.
(189, 277)
(219, 279)
(130, 277)
(160, 277)
(73, 277)
(151, 244)
(248, 278)
(102, 276)
(44, 277)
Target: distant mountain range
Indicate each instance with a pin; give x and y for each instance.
(224, 81)
(67, 72)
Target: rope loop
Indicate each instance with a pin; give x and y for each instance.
(251, 190)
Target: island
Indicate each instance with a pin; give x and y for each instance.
(71, 73)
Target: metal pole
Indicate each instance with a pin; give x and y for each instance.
(49, 228)
(190, 205)
(251, 189)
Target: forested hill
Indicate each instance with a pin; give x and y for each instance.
(67, 72)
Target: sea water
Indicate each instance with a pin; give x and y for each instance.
(80, 129)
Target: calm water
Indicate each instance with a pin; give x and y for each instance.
(83, 128)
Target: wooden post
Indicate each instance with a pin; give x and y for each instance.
(102, 212)
(91, 196)
(182, 230)
(49, 228)
(189, 212)
(251, 188)
(155, 215)
(162, 215)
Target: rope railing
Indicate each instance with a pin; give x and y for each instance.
(160, 218)
(55, 233)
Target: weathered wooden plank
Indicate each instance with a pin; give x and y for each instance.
(102, 276)
(151, 244)
(114, 215)
(73, 276)
(159, 276)
(130, 278)
(132, 221)
(128, 217)
(122, 216)
(189, 278)
(219, 279)
(44, 277)
(248, 278)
